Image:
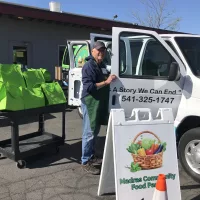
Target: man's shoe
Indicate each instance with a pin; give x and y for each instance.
(89, 168)
(96, 160)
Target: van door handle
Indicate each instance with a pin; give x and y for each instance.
(113, 99)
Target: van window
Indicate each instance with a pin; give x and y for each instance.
(135, 47)
(190, 48)
(156, 60)
(65, 61)
(146, 57)
(61, 50)
(108, 55)
(122, 57)
(129, 54)
(107, 59)
(81, 51)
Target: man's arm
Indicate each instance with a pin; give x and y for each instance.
(88, 79)
(89, 82)
(101, 84)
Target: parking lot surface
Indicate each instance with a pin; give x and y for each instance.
(58, 176)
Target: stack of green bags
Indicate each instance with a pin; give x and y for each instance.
(29, 89)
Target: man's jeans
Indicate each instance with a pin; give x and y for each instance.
(88, 136)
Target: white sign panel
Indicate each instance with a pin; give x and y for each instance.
(141, 150)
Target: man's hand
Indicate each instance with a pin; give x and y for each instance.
(107, 82)
(110, 79)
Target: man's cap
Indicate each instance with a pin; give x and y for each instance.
(98, 45)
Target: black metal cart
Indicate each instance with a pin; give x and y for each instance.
(19, 147)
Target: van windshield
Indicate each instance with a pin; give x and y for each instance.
(190, 47)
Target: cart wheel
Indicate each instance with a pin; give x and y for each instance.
(57, 149)
(2, 156)
(21, 164)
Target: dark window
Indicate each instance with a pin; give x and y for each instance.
(156, 60)
(153, 61)
(66, 57)
(190, 48)
(107, 59)
(135, 52)
(122, 57)
(61, 53)
(20, 55)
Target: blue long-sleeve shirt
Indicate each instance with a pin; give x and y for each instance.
(91, 74)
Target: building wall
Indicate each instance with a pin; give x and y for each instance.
(43, 39)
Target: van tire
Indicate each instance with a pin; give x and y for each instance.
(189, 138)
(80, 112)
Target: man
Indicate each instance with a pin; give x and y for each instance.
(95, 97)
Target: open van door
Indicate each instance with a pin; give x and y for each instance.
(153, 79)
(78, 51)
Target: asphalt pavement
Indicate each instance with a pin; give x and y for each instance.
(58, 176)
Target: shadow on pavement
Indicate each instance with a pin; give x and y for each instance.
(196, 198)
(71, 152)
(189, 187)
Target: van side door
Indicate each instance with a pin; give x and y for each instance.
(78, 51)
(143, 82)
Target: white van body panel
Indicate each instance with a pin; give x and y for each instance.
(187, 99)
(190, 101)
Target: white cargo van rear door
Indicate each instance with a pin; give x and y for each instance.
(143, 82)
(78, 51)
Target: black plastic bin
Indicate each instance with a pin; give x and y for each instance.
(19, 147)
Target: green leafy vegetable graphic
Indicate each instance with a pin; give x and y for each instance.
(164, 146)
(135, 167)
(133, 148)
(147, 143)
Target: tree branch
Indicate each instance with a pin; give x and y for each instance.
(157, 15)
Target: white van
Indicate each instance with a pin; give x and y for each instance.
(154, 71)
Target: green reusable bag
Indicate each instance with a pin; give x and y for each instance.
(12, 74)
(34, 78)
(53, 93)
(11, 98)
(46, 74)
(33, 98)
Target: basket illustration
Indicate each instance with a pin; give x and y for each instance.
(147, 153)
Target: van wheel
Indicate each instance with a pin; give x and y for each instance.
(189, 153)
(80, 112)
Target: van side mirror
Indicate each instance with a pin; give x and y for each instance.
(174, 73)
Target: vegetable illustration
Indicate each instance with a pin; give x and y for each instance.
(147, 153)
(135, 167)
(155, 147)
(147, 147)
(147, 143)
(133, 148)
(139, 142)
(141, 152)
(164, 146)
(159, 149)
